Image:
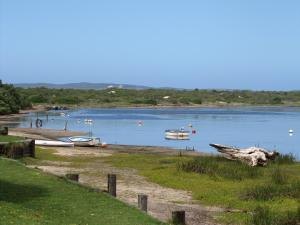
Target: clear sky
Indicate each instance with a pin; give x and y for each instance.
(239, 44)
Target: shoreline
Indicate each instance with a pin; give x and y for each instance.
(52, 134)
(70, 107)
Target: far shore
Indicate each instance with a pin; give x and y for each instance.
(11, 118)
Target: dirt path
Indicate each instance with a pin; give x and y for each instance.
(161, 200)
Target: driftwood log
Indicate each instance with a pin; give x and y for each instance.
(253, 156)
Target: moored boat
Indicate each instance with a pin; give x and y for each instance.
(180, 133)
(85, 141)
(177, 134)
(172, 137)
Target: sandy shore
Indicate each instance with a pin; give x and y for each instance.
(52, 134)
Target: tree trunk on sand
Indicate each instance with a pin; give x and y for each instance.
(253, 156)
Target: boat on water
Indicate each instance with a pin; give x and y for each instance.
(180, 134)
(177, 137)
(85, 141)
(54, 143)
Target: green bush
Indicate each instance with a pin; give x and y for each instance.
(10, 100)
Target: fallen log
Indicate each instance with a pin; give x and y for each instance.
(253, 156)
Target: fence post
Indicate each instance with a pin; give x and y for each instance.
(112, 184)
(142, 202)
(4, 131)
(32, 148)
(178, 217)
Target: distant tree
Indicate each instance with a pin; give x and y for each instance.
(10, 99)
(276, 100)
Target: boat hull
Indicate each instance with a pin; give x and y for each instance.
(85, 141)
(172, 137)
(53, 143)
(177, 134)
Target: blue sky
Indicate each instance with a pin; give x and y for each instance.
(232, 44)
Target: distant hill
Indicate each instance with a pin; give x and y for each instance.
(81, 85)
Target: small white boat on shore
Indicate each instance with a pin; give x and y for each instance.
(85, 141)
(53, 143)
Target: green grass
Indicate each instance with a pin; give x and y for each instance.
(7, 138)
(213, 182)
(220, 167)
(263, 216)
(29, 196)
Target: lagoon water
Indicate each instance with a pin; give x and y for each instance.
(266, 127)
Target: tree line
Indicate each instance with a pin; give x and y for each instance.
(131, 97)
(11, 101)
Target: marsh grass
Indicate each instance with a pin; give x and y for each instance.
(280, 185)
(278, 176)
(284, 159)
(269, 191)
(217, 166)
(264, 216)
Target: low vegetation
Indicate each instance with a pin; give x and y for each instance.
(170, 97)
(263, 216)
(8, 138)
(219, 167)
(29, 196)
(229, 184)
(266, 195)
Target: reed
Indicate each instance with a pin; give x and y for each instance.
(217, 166)
(264, 216)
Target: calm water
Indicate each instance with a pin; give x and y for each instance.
(243, 127)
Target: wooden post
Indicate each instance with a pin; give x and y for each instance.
(112, 184)
(66, 124)
(4, 131)
(73, 176)
(142, 202)
(32, 148)
(178, 217)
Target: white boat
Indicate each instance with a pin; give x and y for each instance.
(177, 133)
(53, 143)
(172, 137)
(85, 141)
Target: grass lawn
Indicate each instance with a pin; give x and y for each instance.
(28, 196)
(276, 187)
(7, 138)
